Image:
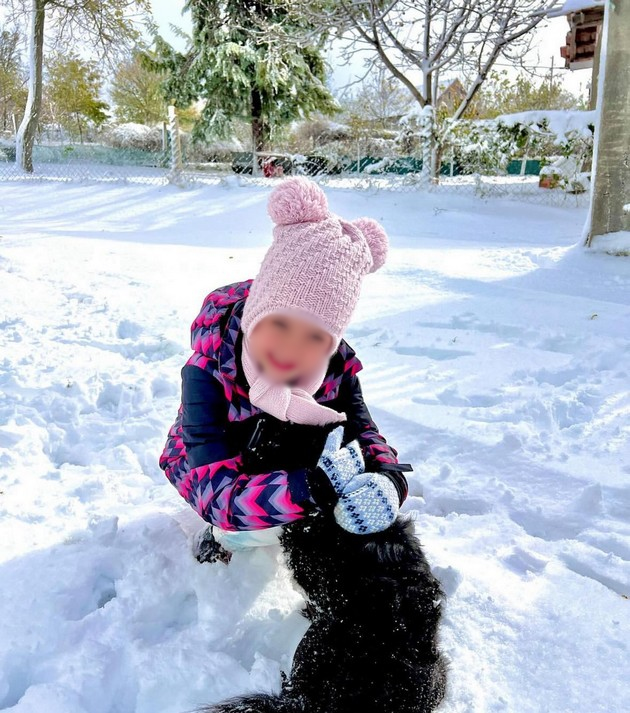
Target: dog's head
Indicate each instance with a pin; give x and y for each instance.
(337, 569)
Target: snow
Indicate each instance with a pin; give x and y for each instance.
(559, 121)
(618, 242)
(575, 6)
(496, 361)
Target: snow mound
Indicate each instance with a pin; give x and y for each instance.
(496, 362)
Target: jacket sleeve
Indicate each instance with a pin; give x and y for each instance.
(380, 457)
(215, 484)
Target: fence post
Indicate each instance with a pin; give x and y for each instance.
(176, 170)
(524, 160)
(478, 185)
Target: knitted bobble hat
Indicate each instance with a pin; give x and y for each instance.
(316, 262)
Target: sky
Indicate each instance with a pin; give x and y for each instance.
(548, 41)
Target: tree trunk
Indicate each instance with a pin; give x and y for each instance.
(258, 138)
(611, 180)
(28, 128)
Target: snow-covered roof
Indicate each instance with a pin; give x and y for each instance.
(564, 8)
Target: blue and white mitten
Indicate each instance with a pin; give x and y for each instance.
(340, 464)
(368, 504)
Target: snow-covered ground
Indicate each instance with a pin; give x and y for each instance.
(497, 361)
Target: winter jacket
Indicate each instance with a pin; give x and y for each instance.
(239, 467)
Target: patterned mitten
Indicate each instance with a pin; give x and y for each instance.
(369, 504)
(340, 464)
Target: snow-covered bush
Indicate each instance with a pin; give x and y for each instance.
(487, 146)
(307, 135)
(217, 151)
(380, 166)
(134, 136)
(568, 133)
(7, 146)
(483, 147)
(416, 130)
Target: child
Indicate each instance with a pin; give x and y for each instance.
(272, 423)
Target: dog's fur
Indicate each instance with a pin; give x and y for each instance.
(374, 608)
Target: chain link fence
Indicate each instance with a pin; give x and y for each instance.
(163, 160)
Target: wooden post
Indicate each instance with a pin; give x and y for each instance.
(592, 100)
(611, 160)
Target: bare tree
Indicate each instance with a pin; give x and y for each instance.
(105, 26)
(419, 41)
(427, 38)
(379, 98)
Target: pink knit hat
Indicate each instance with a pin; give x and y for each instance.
(316, 262)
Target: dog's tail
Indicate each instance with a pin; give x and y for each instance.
(254, 703)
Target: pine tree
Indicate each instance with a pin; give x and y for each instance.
(247, 60)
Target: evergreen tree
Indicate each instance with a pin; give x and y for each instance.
(248, 60)
(72, 91)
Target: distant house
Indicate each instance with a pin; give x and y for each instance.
(451, 96)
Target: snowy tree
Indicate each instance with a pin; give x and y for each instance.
(137, 92)
(421, 41)
(431, 37)
(73, 92)
(104, 26)
(378, 100)
(247, 60)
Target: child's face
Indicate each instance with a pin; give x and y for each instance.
(286, 347)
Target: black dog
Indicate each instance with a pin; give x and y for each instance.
(374, 608)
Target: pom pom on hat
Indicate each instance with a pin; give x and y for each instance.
(376, 238)
(316, 261)
(297, 200)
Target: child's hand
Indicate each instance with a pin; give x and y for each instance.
(368, 504)
(340, 464)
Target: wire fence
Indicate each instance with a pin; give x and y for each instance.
(172, 163)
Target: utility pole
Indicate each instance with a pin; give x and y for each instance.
(551, 77)
(611, 159)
